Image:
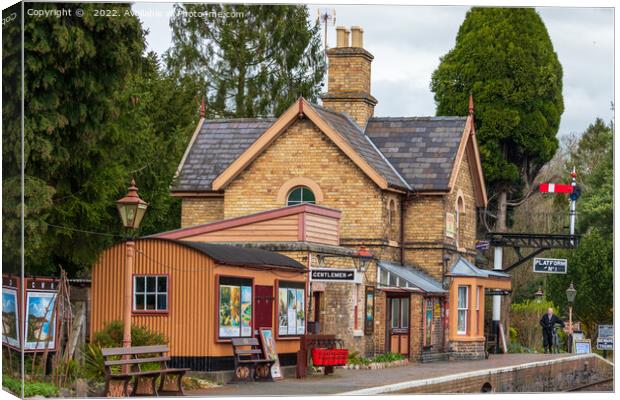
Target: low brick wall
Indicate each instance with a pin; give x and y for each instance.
(556, 375)
(466, 350)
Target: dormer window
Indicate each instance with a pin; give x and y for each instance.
(300, 195)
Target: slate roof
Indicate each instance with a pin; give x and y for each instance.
(241, 256)
(414, 276)
(422, 149)
(410, 153)
(217, 145)
(462, 267)
(351, 132)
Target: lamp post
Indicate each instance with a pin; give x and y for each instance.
(570, 297)
(131, 209)
(362, 258)
(539, 294)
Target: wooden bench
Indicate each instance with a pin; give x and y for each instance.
(249, 361)
(132, 367)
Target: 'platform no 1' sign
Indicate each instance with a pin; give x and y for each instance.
(550, 265)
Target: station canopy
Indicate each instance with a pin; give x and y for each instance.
(402, 277)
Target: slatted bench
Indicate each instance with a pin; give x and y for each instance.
(249, 361)
(132, 366)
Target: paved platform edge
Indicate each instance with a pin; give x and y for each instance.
(394, 387)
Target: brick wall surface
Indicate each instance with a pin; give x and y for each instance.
(303, 151)
(464, 186)
(470, 350)
(557, 376)
(201, 210)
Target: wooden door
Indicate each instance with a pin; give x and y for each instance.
(398, 325)
(263, 311)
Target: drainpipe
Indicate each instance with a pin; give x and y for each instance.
(402, 228)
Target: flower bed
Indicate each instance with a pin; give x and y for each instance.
(388, 360)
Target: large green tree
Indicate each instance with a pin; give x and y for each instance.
(505, 59)
(590, 265)
(252, 60)
(97, 112)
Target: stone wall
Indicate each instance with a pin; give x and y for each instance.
(467, 350)
(201, 210)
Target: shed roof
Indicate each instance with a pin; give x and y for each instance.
(414, 276)
(462, 267)
(241, 256)
(422, 149)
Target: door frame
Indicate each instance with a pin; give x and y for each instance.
(388, 321)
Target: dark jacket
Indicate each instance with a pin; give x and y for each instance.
(548, 323)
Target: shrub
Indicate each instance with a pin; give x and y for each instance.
(112, 336)
(388, 357)
(525, 318)
(356, 358)
(30, 388)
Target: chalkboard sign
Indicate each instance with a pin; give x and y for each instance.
(582, 346)
(270, 352)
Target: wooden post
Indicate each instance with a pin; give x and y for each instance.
(128, 300)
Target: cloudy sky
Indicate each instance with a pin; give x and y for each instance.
(407, 42)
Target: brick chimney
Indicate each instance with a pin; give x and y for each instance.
(348, 76)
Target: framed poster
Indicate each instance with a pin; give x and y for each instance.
(292, 312)
(369, 318)
(270, 352)
(282, 311)
(40, 323)
(230, 323)
(246, 311)
(299, 307)
(10, 317)
(582, 346)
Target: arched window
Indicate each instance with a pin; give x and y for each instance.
(460, 212)
(392, 220)
(299, 195)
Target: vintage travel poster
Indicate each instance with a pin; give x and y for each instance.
(246, 311)
(40, 323)
(291, 313)
(10, 317)
(282, 311)
(270, 352)
(301, 318)
(230, 308)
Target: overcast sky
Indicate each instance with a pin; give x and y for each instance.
(407, 42)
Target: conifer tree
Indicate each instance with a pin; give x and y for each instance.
(253, 60)
(505, 59)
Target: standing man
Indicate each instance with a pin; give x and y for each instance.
(547, 322)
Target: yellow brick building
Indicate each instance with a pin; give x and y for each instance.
(407, 189)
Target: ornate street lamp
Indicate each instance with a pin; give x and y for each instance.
(539, 294)
(363, 257)
(131, 209)
(571, 292)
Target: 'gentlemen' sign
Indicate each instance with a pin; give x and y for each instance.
(550, 265)
(332, 275)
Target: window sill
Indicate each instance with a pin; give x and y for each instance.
(139, 313)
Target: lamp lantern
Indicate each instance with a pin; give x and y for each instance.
(571, 292)
(364, 257)
(131, 208)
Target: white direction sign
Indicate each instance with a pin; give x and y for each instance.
(550, 265)
(605, 343)
(605, 331)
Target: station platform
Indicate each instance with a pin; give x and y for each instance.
(499, 373)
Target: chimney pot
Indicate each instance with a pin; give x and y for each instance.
(342, 37)
(357, 37)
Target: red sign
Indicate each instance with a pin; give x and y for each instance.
(555, 188)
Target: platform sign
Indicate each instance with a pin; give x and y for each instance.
(605, 331)
(550, 265)
(605, 343)
(483, 245)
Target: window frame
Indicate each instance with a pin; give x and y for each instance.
(460, 212)
(302, 187)
(460, 309)
(146, 311)
(218, 284)
(296, 285)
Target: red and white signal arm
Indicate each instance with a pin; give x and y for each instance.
(555, 188)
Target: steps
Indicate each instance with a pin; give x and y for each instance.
(433, 357)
